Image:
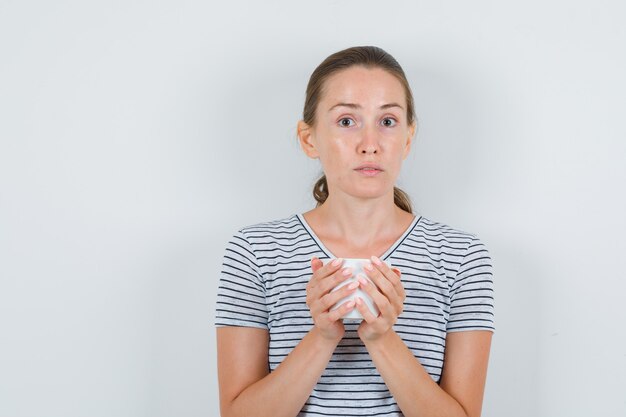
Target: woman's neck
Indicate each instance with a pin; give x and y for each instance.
(359, 225)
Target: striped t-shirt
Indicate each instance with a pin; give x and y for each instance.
(446, 274)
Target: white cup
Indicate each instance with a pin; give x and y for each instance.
(357, 267)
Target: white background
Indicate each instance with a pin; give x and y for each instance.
(136, 137)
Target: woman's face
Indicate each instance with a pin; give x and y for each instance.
(361, 118)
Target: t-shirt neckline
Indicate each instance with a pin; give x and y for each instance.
(383, 257)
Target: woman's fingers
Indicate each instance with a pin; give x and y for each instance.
(319, 301)
(327, 301)
(320, 273)
(334, 280)
(325, 279)
(342, 310)
(323, 271)
(382, 302)
(380, 275)
(316, 264)
(368, 316)
(388, 282)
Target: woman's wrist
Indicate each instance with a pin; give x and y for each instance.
(323, 341)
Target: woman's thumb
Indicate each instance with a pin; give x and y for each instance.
(316, 263)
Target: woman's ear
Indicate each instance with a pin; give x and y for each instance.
(305, 137)
(410, 138)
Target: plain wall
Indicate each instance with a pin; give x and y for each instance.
(136, 137)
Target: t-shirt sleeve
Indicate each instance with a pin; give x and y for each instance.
(241, 291)
(472, 293)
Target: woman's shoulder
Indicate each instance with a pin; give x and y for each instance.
(266, 238)
(449, 242)
(268, 229)
(433, 226)
(271, 224)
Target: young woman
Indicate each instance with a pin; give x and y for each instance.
(282, 351)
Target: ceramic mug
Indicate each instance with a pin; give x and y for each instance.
(357, 268)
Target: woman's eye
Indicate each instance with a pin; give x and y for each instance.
(390, 119)
(342, 120)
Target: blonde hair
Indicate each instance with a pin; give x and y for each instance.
(368, 57)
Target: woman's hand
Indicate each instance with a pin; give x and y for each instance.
(387, 293)
(320, 299)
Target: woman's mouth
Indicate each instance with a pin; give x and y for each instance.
(369, 172)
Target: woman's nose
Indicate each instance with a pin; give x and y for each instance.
(369, 149)
(369, 141)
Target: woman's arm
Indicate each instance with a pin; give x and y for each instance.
(460, 393)
(248, 389)
(466, 359)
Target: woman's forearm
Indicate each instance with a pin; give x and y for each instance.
(284, 392)
(416, 393)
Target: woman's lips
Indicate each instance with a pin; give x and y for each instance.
(369, 172)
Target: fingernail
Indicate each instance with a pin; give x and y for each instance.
(353, 285)
(363, 281)
(350, 304)
(368, 266)
(347, 272)
(336, 262)
(376, 260)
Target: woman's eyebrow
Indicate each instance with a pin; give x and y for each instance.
(358, 106)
